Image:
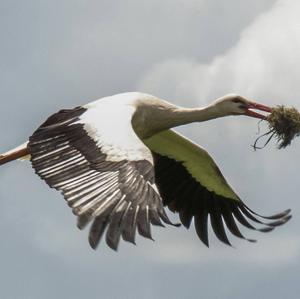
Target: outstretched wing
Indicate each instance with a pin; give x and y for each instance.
(105, 176)
(191, 184)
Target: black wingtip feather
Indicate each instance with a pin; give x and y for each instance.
(201, 227)
(281, 221)
(218, 228)
(114, 230)
(217, 223)
(129, 226)
(231, 224)
(143, 223)
(154, 218)
(112, 241)
(83, 220)
(96, 232)
(266, 229)
(238, 214)
(251, 240)
(165, 218)
(186, 218)
(272, 217)
(284, 217)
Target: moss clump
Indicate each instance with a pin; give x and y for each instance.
(284, 125)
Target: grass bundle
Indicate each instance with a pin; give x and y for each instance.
(284, 125)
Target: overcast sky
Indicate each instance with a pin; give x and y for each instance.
(59, 54)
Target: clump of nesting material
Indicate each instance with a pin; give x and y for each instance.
(284, 125)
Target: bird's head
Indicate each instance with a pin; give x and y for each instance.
(233, 104)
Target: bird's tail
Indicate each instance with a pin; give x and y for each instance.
(21, 152)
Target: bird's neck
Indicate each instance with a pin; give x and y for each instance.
(182, 116)
(163, 119)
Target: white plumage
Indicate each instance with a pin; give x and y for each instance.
(113, 133)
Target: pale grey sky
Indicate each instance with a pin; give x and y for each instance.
(59, 54)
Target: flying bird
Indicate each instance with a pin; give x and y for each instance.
(118, 163)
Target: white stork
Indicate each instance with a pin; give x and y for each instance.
(117, 163)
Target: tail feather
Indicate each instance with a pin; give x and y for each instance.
(21, 152)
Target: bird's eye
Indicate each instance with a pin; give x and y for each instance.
(237, 101)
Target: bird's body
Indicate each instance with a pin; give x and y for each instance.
(117, 163)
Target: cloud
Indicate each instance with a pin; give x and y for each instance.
(263, 64)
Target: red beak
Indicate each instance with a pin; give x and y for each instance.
(256, 106)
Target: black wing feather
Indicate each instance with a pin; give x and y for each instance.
(183, 194)
(118, 197)
(217, 222)
(201, 226)
(97, 230)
